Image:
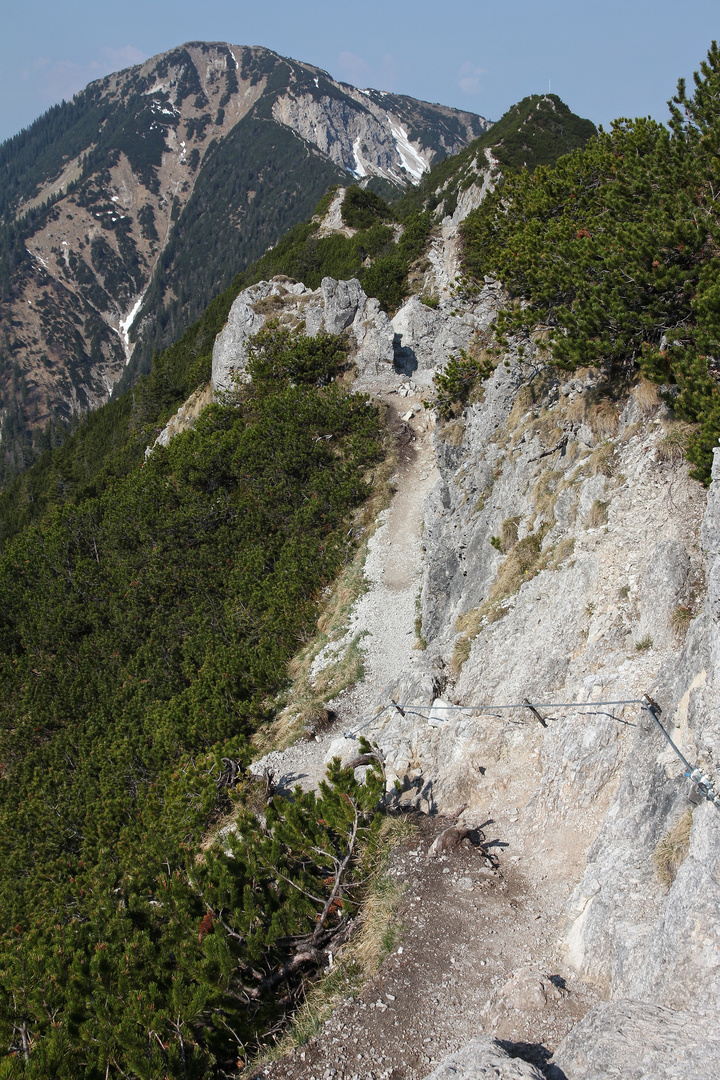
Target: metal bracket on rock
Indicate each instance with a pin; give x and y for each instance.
(703, 783)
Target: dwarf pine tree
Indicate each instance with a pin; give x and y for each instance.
(143, 631)
(615, 248)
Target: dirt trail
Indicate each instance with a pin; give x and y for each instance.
(385, 614)
(393, 568)
(474, 953)
(477, 944)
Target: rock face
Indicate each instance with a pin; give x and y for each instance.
(425, 337)
(633, 938)
(577, 607)
(484, 1059)
(365, 132)
(569, 561)
(636, 1041)
(417, 342)
(335, 307)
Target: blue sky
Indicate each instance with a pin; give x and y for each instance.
(605, 59)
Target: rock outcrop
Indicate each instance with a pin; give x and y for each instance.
(336, 307)
(484, 1059)
(637, 1041)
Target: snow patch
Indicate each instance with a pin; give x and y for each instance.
(412, 162)
(126, 323)
(359, 169)
(39, 258)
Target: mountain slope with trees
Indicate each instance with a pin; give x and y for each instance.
(615, 251)
(123, 212)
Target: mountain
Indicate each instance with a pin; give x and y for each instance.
(126, 210)
(394, 251)
(536, 131)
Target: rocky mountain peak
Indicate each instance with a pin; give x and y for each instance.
(115, 202)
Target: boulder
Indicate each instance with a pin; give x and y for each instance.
(484, 1059)
(341, 300)
(632, 1040)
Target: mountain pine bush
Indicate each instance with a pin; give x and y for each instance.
(615, 249)
(144, 630)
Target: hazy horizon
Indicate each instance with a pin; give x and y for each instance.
(604, 60)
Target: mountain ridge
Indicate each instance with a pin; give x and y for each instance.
(105, 245)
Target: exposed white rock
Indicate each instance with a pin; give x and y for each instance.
(357, 140)
(484, 1059)
(230, 349)
(444, 250)
(336, 307)
(642, 1041)
(332, 223)
(426, 337)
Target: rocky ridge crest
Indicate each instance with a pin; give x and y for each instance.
(115, 213)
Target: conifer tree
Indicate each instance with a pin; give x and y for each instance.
(615, 248)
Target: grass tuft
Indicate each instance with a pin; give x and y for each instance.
(647, 398)
(598, 514)
(509, 534)
(603, 419)
(673, 849)
(672, 447)
(680, 620)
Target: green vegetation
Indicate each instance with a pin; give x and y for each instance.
(363, 209)
(536, 131)
(456, 382)
(615, 248)
(144, 630)
(387, 278)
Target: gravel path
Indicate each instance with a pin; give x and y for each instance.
(385, 614)
(475, 955)
(477, 951)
